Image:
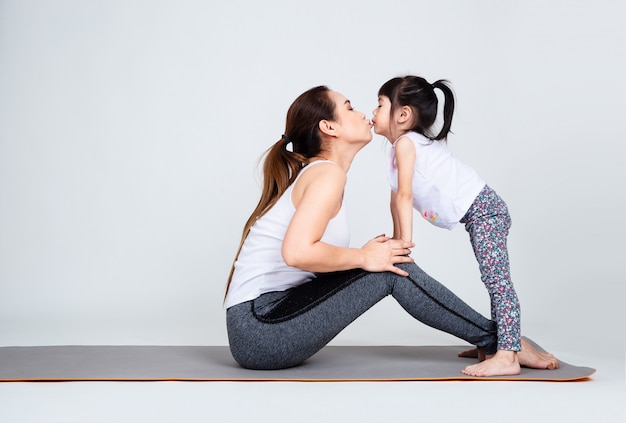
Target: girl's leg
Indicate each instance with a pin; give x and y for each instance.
(282, 329)
(488, 223)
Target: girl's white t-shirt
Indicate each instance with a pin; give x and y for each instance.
(260, 267)
(443, 187)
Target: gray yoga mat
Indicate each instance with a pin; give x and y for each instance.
(214, 363)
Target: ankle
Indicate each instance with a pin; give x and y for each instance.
(510, 356)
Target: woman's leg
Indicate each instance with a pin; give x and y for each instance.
(282, 329)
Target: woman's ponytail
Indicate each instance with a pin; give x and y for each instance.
(280, 169)
(280, 165)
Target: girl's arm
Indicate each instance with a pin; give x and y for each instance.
(317, 199)
(394, 215)
(402, 201)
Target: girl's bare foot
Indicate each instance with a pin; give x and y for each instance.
(503, 363)
(529, 356)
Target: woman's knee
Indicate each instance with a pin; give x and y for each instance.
(412, 269)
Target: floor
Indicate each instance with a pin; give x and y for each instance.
(600, 399)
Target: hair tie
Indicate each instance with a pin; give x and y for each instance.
(285, 138)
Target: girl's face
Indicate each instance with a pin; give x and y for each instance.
(382, 117)
(353, 124)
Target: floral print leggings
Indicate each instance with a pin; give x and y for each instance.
(488, 222)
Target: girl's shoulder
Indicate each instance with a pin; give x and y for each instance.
(418, 138)
(404, 143)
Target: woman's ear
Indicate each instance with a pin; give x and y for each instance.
(327, 127)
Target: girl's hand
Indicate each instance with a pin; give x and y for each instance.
(382, 253)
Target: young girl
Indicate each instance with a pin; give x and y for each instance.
(424, 175)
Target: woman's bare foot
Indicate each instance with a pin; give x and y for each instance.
(529, 356)
(473, 353)
(503, 363)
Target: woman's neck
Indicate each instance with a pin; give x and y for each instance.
(342, 157)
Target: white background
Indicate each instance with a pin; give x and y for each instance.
(129, 136)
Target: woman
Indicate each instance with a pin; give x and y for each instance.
(295, 283)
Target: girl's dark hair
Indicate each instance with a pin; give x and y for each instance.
(281, 166)
(419, 94)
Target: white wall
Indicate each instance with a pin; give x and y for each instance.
(130, 133)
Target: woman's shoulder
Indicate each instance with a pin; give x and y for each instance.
(323, 170)
(320, 180)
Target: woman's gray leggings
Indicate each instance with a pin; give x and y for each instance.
(282, 329)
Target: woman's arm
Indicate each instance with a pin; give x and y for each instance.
(402, 201)
(317, 198)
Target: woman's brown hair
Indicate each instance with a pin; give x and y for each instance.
(281, 166)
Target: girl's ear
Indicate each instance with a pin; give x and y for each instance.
(327, 127)
(405, 114)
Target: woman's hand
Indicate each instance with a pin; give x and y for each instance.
(383, 253)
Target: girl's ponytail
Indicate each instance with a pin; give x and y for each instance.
(448, 108)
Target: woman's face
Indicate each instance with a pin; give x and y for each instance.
(352, 123)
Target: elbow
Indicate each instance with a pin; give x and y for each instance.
(404, 197)
(291, 257)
